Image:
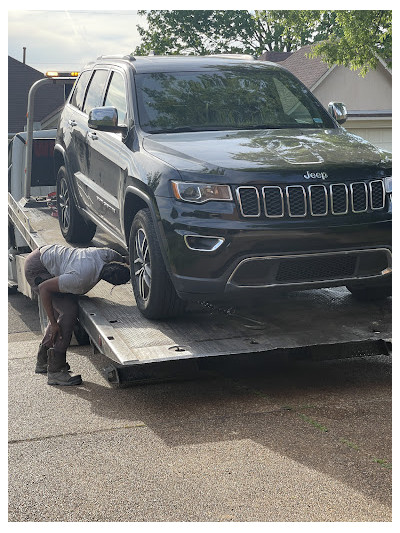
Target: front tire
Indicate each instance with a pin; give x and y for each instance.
(154, 292)
(73, 226)
(372, 291)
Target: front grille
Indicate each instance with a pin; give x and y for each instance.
(311, 268)
(316, 268)
(315, 200)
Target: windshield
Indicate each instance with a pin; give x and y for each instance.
(231, 98)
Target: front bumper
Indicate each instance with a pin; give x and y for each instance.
(254, 255)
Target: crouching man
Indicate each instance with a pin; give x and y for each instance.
(58, 274)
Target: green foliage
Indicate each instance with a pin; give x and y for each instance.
(203, 32)
(350, 38)
(357, 40)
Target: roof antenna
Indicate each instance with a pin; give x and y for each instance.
(24, 54)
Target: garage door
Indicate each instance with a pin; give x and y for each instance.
(380, 137)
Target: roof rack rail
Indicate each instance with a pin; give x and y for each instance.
(232, 56)
(128, 57)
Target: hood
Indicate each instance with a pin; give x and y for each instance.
(291, 150)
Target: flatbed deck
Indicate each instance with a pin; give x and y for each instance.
(296, 320)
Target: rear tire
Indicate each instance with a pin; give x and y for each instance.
(73, 226)
(154, 292)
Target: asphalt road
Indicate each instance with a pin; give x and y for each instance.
(264, 442)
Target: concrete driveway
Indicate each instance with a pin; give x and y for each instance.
(262, 442)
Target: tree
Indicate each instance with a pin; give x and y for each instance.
(203, 32)
(354, 39)
(358, 40)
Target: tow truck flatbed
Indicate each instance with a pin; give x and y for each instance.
(323, 322)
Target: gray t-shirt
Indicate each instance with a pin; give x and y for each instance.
(78, 269)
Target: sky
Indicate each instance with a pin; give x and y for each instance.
(67, 40)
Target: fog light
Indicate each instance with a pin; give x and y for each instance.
(203, 243)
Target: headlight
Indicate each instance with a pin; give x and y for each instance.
(200, 192)
(388, 184)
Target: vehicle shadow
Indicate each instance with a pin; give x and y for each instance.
(331, 416)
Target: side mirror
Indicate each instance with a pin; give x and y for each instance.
(338, 111)
(105, 119)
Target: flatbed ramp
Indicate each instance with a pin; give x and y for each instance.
(321, 323)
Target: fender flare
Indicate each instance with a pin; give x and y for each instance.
(155, 215)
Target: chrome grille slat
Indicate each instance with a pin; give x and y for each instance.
(273, 201)
(249, 201)
(316, 200)
(339, 199)
(359, 197)
(377, 194)
(318, 204)
(296, 201)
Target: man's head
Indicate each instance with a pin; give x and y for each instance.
(115, 273)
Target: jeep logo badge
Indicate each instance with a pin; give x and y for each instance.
(315, 175)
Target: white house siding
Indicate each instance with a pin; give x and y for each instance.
(369, 95)
(377, 132)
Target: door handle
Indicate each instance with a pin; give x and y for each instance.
(72, 123)
(92, 135)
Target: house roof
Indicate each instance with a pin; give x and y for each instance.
(20, 79)
(275, 57)
(308, 70)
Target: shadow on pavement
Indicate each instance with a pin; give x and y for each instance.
(331, 416)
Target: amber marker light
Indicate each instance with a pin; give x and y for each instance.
(175, 190)
(56, 74)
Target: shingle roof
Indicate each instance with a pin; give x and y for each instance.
(275, 57)
(20, 79)
(308, 70)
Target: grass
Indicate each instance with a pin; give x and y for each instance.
(350, 444)
(313, 423)
(383, 463)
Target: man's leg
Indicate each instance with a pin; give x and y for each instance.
(66, 307)
(35, 273)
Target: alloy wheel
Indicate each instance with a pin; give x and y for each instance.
(64, 204)
(142, 266)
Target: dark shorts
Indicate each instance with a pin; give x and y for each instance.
(35, 272)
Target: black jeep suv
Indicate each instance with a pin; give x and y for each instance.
(223, 176)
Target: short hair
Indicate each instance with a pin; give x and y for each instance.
(115, 273)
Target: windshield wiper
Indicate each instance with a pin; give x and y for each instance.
(278, 126)
(183, 129)
(189, 128)
(174, 130)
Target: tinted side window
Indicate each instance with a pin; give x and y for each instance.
(80, 89)
(95, 91)
(116, 96)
